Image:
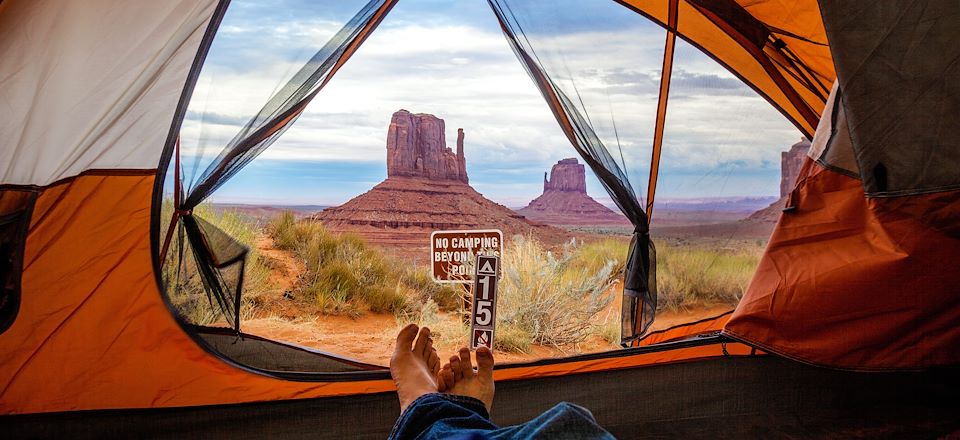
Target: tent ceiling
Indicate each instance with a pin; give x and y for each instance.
(779, 48)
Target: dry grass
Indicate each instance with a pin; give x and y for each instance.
(687, 274)
(549, 299)
(345, 276)
(692, 276)
(557, 299)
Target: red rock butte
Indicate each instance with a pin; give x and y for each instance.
(417, 147)
(565, 201)
(426, 189)
(790, 163)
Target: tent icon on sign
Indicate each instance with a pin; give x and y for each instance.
(487, 267)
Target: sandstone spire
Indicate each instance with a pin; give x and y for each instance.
(461, 159)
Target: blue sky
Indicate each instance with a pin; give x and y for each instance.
(450, 59)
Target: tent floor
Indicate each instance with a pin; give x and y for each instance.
(735, 397)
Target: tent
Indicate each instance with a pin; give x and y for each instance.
(847, 329)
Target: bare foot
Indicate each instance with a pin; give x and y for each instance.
(414, 366)
(459, 378)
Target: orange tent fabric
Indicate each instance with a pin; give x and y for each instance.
(777, 47)
(93, 330)
(857, 283)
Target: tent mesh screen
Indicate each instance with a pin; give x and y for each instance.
(596, 122)
(198, 254)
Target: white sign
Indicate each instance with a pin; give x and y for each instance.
(483, 317)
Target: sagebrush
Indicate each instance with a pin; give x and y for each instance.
(344, 275)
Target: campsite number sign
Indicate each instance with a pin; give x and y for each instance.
(483, 316)
(451, 252)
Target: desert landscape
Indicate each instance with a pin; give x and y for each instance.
(343, 279)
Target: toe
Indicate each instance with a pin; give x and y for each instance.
(484, 362)
(444, 378)
(455, 367)
(434, 362)
(447, 376)
(422, 339)
(405, 338)
(466, 365)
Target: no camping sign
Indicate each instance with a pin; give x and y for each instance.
(483, 315)
(452, 252)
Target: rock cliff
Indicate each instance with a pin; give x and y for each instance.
(566, 175)
(790, 163)
(417, 147)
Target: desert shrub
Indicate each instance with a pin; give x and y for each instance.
(688, 276)
(185, 288)
(448, 297)
(546, 298)
(592, 257)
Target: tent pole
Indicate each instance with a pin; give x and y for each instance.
(176, 202)
(666, 74)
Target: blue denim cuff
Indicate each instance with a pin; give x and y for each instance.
(470, 403)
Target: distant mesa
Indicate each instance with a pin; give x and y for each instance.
(565, 201)
(426, 189)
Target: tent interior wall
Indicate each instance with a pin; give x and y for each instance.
(820, 345)
(724, 397)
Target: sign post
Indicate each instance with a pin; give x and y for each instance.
(483, 316)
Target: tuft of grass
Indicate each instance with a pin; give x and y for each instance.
(513, 339)
(448, 297)
(688, 276)
(592, 257)
(346, 276)
(444, 330)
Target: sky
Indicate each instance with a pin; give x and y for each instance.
(450, 59)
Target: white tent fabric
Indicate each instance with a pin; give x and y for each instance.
(110, 73)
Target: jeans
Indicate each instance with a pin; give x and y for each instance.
(446, 416)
